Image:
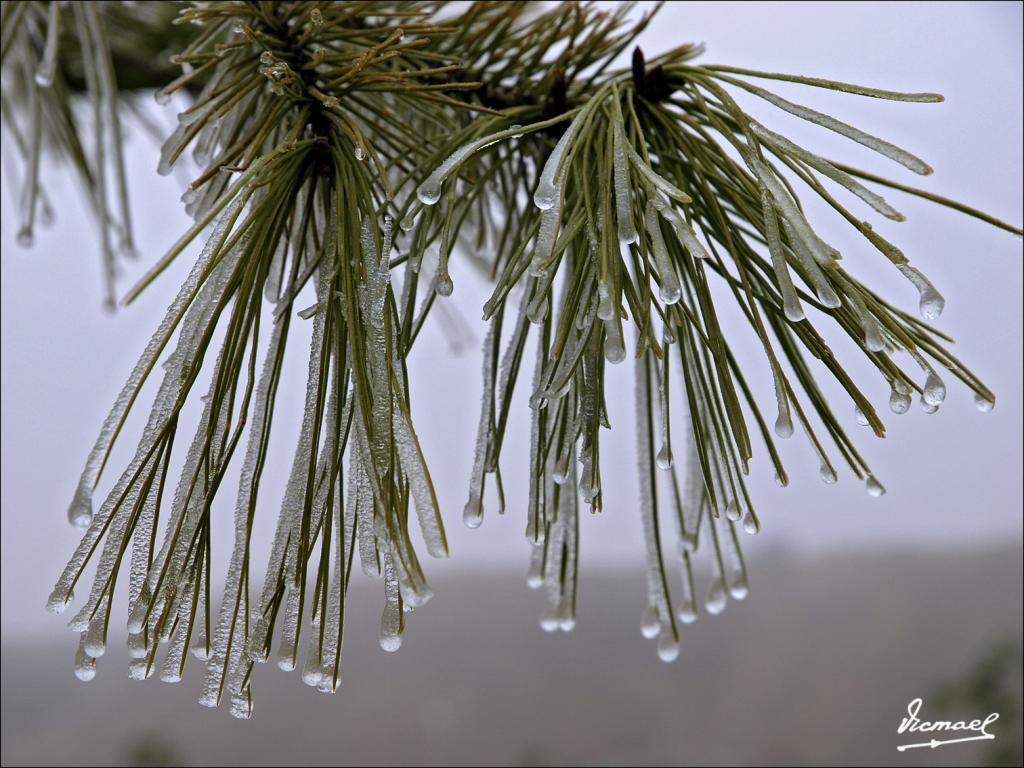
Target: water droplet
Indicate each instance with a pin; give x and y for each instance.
(85, 665)
(859, 415)
(443, 285)
(650, 624)
(781, 481)
(983, 404)
(548, 620)
(390, 643)
(429, 192)
(784, 425)
(687, 613)
(751, 524)
(614, 346)
(828, 475)
(717, 598)
(739, 590)
(899, 402)
(934, 389)
(161, 97)
(732, 511)
(664, 458)
(668, 647)
(874, 487)
(928, 407)
(408, 221)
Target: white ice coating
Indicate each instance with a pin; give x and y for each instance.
(549, 186)
(881, 146)
(826, 168)
(535, 576)
(794, 311)
(623, 210)
(227, 646)
(473, 512)
(685, 233)
(826, 294)
(80, 510)
(932, 302)
(544, 245)
(429, 192)
(655, 180)
(670, 290)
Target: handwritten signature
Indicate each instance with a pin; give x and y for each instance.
(913, 724)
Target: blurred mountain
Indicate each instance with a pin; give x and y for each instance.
(816, 667)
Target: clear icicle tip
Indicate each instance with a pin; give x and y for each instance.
(983, 404)
(934, 389)
(390, 643)
(750, 524)
(668, 648)
(828, 475)
(429, 192)
(874, 487)
(732, 511)
(717, 598)
(899, 402)
(549, 620)
(784, 425)
(687, 613)
(859, 415)
(650, 624)
(664, 459)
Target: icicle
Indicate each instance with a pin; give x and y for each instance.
(391, 619)
(790, 301)
(717, 597)
(545, 242)
(826, 168)
(614, 346)
(874, 487)
(891, 151)
(983, 403)
(473, 512)
(549, 186)
(429, 192)
(624, 214)
(826, 294)
(932, 302)
(685, 234)
(670, 290)
(80, 510)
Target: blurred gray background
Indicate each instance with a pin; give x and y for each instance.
(857, 604)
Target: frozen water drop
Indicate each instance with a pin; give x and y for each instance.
(473, 513)
(739, 590)
(717, 598)
(784, 425)
(687, 613)
(732, 511)
(443, 285)
(664, 458)
(139, 669)
(549, 620)
(390, 642)
(859, 415)
(650, 624)
(668, 648)
(429, 192)
(874, 487)
(828, 475)
(161, 97)
(934, 389)
(614, 346)
(899, 402)
(137, 646)
(58, 600)
(750, 524)
(984, 404)
(85, 666)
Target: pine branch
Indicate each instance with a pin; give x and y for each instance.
(608, 201)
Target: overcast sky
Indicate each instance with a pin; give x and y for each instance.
(953, 479)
